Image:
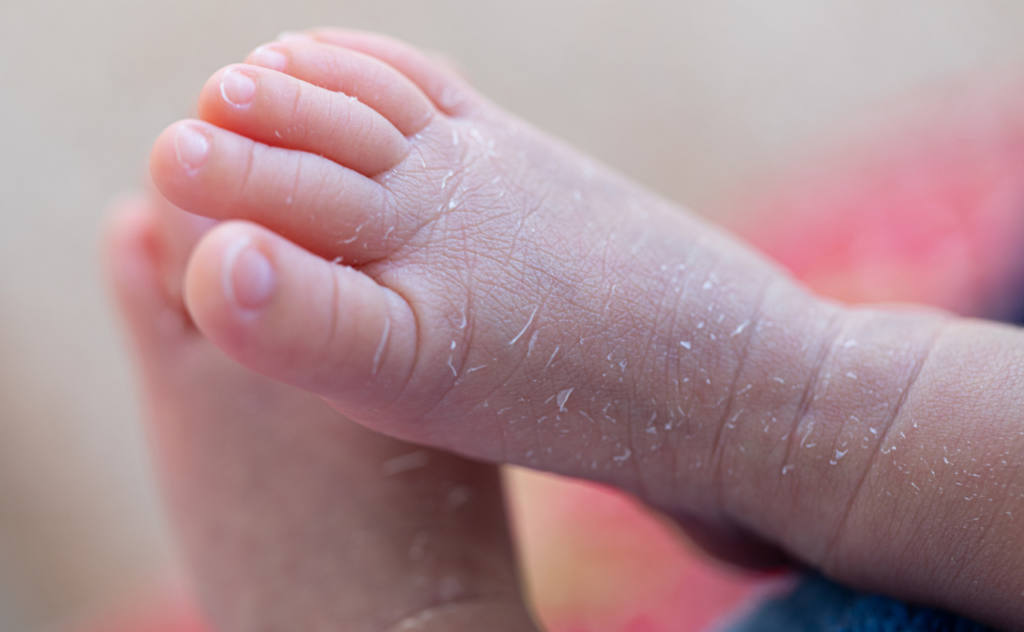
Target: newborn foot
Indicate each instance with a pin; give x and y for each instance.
(478, 286)
(291, 516)
(440, 271)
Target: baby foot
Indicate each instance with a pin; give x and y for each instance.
(502, 296)
(292, 517)
(454, 278)
(494, 281)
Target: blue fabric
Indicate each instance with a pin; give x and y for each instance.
(819, 605)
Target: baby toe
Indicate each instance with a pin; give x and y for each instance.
(289, 314)
(279, 110)
(328, 208)
(445, 88)
(363, 77)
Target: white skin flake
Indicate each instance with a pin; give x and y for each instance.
(528, 323)
(533, 341)
(552, 358)
(562, 398)
(451, 356)
(803, 442)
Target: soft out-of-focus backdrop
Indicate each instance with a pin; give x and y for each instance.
(695, 98)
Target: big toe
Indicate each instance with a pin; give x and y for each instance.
(292, 315)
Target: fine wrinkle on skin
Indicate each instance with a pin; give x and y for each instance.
(830, 550)
(452, 202)
(297, 105)
(245, 182)
(382, 344)
(652, 353)
(718, 447)
(500, 382)
(324, 357)
(396, 300)
(838, 323)
(974, 550)
(293, 194)
(632, 456)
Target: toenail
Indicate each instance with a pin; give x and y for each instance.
(237, 88)
(191, 146)
(249, 278)
(267, 57)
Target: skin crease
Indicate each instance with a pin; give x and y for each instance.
(878, 445)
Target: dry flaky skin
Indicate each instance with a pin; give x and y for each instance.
(511, 300)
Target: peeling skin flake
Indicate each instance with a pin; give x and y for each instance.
(528, 323)
(552, 358)
(533, 341)
(564, 397)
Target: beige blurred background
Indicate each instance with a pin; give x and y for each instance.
(693, 97)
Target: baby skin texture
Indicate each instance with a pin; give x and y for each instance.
(292, 517)
(442, 273)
